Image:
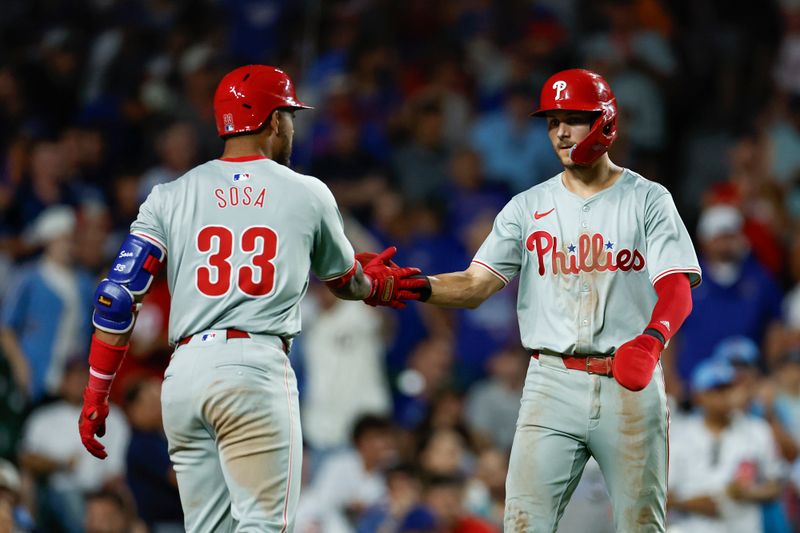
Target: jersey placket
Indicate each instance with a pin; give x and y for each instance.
(585, 307)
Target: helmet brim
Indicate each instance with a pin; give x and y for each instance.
(571, 107)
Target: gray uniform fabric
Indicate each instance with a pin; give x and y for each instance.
(240, 237)
(587, 267)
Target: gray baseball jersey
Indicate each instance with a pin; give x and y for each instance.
(588, 265)
(241, 237)
(587, 268)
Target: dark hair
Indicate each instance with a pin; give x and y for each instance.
(402, 468)
(133, 391)
(110, 495)
(443, 481)
(369, 422)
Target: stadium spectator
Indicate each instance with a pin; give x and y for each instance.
(514, 148)
(723, 463)
(51, 451)
(402, 509)
(44, 318)
(108, 511)
(177, 153)
(354, 176)
(14, 516)
(149, 472)
(445, 452)
(44, 185)
(343, 354)
(493, 404)
(428, 371)
(444, 496)
(486, 489)
(737, 296)
(351, 481)
(420, 165)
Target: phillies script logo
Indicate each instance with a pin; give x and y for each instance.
(592, 254)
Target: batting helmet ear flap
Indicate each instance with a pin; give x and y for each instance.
(599, 139)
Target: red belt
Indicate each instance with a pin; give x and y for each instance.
(229, 334)
(592, 364)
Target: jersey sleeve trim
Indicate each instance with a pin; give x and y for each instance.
(349, 272)
(151, 239)
(695, 276)
(492, 270)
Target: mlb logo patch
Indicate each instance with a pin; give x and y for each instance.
(208, 337)
(227, 120)
(241, 177)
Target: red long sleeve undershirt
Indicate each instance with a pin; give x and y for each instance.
(673, 306)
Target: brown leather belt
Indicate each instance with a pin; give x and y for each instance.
(591, 364)
(229, 334)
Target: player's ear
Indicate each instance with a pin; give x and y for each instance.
(274, 122)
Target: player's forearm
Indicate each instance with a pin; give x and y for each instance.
(458, 289)
(356, 287)
(762, 492)
(673, 306)
(703, 505)
(114, 339)
(41, 465)
(11, 347)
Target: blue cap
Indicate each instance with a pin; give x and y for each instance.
(712, 373)
(737, 350)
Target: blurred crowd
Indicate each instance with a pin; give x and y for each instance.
(421, 130)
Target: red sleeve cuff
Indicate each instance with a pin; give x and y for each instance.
(344, 279)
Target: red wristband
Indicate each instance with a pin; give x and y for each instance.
(104, 361)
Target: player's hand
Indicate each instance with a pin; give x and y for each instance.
(635, 361)
(93, 421)
(390, 283)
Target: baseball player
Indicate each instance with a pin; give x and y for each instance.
(241, 233)
(605, 266)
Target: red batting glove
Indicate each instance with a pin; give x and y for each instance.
(635, 361)
(93, 420)
(390, 283)
(104, 360)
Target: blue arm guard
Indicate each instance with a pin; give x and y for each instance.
(138, 262)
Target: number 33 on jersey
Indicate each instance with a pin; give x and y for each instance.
(240, 230)
(217, 277)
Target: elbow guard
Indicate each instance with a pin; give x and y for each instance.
(138, 262)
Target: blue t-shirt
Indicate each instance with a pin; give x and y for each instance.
(744, 308)
(147, 467)
(34, 311)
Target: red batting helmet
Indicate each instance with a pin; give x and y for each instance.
(583, 90)
(247, 95)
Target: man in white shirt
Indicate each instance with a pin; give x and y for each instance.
(723, 463)
(52, 448)
(349, 482)
(343, 351)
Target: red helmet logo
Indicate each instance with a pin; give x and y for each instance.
(583, 90)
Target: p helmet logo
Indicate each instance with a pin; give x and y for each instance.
(559, 86)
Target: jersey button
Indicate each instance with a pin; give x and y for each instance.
(586, 286)
(585, 208)
(584, 224)
(585, 322)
